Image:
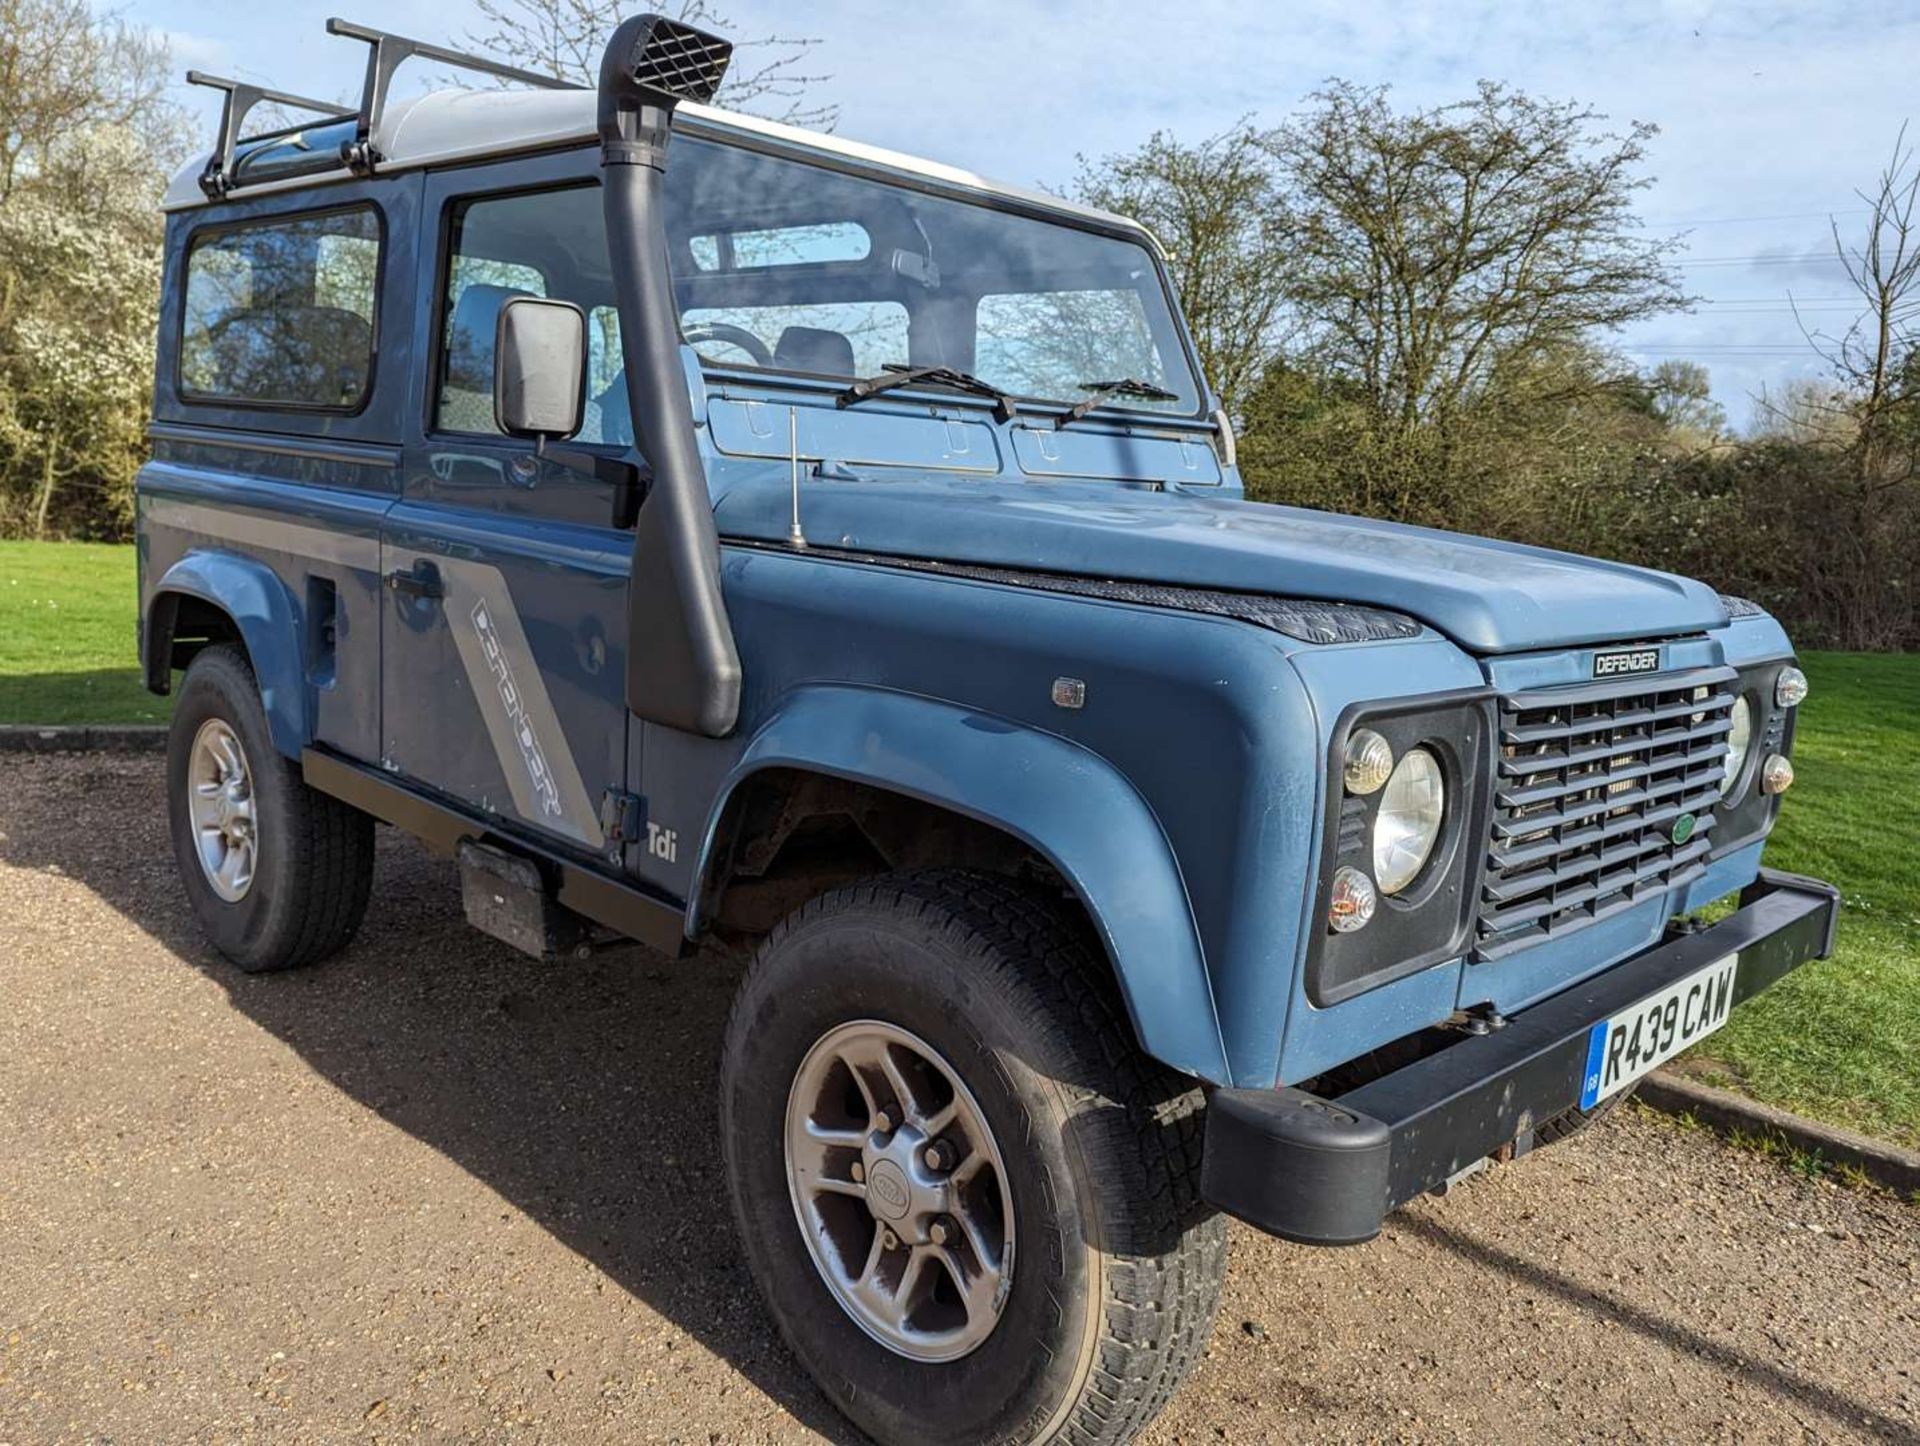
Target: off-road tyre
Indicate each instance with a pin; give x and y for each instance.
(1118, 1268)
(314, 863)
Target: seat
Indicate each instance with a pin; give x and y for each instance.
(814, 349)
(466, 393)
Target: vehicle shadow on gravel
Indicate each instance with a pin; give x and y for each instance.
(1622, 1315)
(584, 1093)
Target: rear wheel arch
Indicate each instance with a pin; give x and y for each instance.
(179, 625)
(212, 598)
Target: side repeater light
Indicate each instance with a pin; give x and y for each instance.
(1790, 688)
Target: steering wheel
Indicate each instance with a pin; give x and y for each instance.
(730, 335)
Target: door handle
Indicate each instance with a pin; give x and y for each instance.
(422, 580)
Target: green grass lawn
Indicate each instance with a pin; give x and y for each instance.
(1840, 1039)
(67, 650)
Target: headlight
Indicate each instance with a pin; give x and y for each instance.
(1412, 808)
(1739, 743)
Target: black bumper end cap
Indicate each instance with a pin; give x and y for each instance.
(1295, 1165)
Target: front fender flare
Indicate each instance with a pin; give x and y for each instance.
(249, 592)
(1068, 804)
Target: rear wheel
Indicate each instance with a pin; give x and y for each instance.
(277, 873)
(970, 1200)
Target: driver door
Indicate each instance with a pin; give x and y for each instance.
(504, 659)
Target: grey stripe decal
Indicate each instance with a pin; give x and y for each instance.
(254, 529)
(541, 771)
(527, 738)
(361, 455)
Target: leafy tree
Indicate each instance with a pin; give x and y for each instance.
(79, 293)
(86, 135)
(1680, 396)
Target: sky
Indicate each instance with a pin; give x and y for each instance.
(1771, 115)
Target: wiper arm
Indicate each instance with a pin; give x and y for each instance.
(1098, 392)
(896, 375)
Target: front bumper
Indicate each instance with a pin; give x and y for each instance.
(1325, 1171)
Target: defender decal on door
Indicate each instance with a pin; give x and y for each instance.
(508, 688)
(545, 790)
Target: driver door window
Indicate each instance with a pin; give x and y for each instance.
(549, 244)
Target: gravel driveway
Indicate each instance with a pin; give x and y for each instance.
(433, 1191)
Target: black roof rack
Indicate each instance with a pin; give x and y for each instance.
(387, 54)
(241, 97)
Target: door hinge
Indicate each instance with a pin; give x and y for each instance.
(623, 816)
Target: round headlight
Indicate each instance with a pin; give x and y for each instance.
(1790, 688)
(1407, 826)
(1739, 744)
(1369, 761)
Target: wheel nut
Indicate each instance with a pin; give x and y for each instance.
(939, 1156)
(859, 1173)
(883, 1121)
(939, 1232)
(890, 1240)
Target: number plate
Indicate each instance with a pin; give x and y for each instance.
(1621, 1049)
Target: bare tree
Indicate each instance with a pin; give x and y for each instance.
(1215, 207)
(1873, 360)
(62, 68)
(771, 74)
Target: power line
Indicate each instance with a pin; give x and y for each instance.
(1811, 258)
(1743, 220)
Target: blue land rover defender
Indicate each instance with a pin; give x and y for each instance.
(702, 529)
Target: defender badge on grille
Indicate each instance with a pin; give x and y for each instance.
(1634, 660)
(1683, 827)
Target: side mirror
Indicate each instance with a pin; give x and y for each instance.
(540, 368)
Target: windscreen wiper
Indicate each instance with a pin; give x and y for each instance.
(1098, 392)
(898, 375)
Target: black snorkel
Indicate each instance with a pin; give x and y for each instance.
(683, 669)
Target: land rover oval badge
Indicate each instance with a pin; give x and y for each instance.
(1683, 827)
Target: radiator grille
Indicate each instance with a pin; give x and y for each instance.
(1590, 784)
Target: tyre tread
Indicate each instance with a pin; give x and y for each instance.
(330, 842)
(1165, 1250)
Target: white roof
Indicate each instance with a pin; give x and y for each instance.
(463, 125)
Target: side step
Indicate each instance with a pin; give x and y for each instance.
(627, 909)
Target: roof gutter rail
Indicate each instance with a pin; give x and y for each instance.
(683, 668)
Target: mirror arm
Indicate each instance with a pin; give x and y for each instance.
(629, 484)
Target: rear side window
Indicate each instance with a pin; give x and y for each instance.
(281, 313)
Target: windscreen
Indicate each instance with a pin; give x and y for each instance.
(789, 266)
